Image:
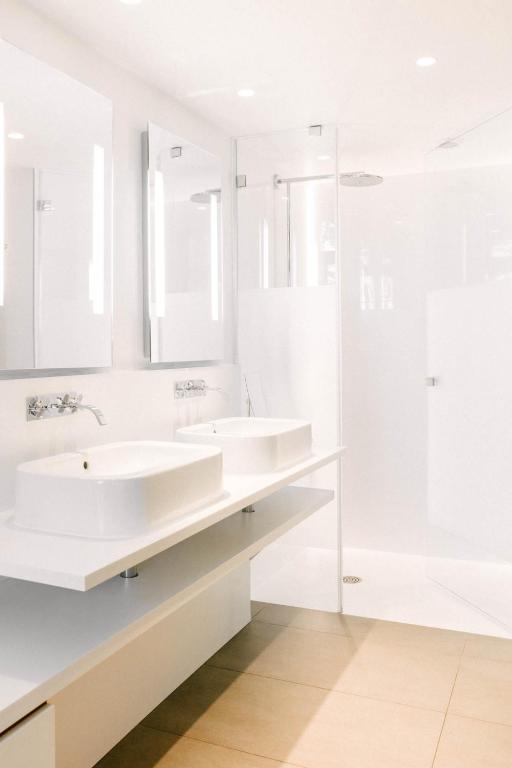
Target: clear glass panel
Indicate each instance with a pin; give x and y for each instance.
(288, 334)
(287, 209)
(469, 350)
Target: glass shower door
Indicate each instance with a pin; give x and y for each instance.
(469, 346)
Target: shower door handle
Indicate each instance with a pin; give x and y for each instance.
(432, 381)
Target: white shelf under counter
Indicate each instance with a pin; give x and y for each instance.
(50, 637)
(82, 563)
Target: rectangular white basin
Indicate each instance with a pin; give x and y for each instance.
(254, 445)
(116, 490)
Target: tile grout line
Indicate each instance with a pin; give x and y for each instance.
(259, 610)
(359, 638)
(223, 746)
(485, 722)
(448, 705)
(326, 690)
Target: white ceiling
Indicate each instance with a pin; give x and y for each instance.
(311, 61)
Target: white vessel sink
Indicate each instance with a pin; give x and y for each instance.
(254, 445)
(116, 490)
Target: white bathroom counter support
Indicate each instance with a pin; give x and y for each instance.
(81, 563)
(50, 637)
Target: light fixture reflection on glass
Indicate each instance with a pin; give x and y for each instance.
(426, 61)
(311, 240)
(2, 205)
(159, 244)
(246, 93)
(97, 269)
(16, 135)
(214, 255)
(266, 256)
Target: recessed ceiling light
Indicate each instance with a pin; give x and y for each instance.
(16, 135)
(131, 2)
(246, 93)
(323, 157)
(426, 61)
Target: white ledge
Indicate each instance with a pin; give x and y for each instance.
(80, 563)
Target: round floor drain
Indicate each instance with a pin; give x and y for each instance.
(351, 579)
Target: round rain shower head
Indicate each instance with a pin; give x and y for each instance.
(203, 198)
(360, 179)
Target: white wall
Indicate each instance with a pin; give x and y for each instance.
(137, 402)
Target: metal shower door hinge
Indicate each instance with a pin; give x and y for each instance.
(432, 381)
(241, 181)
(45, 206)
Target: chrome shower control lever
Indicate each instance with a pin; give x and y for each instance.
(189, 388)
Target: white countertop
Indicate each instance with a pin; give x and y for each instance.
(49, 637)
(80, 563)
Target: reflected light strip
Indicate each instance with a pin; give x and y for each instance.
(265, 255)
(2, 205)
(97, 278)
(159, 244)
(311, 243)
(214, 255)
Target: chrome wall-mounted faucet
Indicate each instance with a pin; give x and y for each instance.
(192, 388)
(60, 404)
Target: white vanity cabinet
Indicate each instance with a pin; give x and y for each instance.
(30, 743)
(107, 656)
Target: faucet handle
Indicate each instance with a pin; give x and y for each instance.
(35, 407)
(72, 399)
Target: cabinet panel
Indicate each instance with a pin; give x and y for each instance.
(102, 706)
(31, 743)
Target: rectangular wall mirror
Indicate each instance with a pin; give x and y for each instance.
(184, 250)
(55, 218)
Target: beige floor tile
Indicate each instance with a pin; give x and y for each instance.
(298, 724)
(320, 621)
(495, 648)
(473, 744)
(405, 674)
(356, 626)
(483, 691)
(256, 607)
(148, 748)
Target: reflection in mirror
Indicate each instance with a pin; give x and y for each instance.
(55, 218)
(184, 250)
(286, 206)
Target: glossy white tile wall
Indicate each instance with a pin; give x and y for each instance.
(137, 402)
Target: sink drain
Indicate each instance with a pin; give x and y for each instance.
(351, 579)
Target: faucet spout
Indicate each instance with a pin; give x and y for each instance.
(99, 415)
